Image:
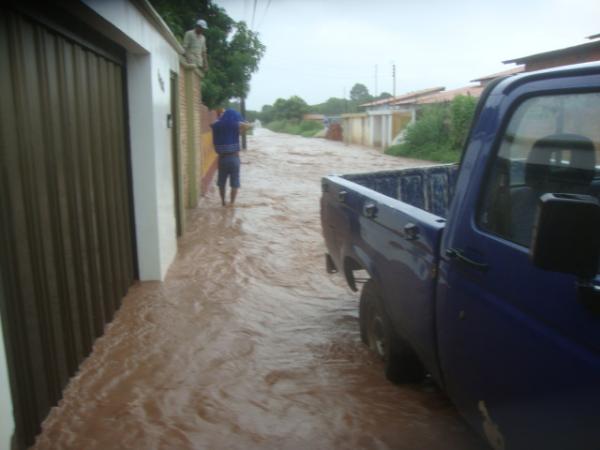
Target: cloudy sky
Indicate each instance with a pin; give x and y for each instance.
(318, 49)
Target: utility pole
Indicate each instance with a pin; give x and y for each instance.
(375, 92)
(394, 78)
(243, 112)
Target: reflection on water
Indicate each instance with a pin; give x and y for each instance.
(249, 344)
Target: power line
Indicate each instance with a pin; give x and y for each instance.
(264, 15)
(253, 15)
(394, 78)
(375, 92)
(245, 10)
(314, 73)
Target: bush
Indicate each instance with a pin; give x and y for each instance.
(439, 132)
(462, 109)
(428, 152)
(302, 128)
(309, 125)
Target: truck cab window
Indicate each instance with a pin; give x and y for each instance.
(552, 144)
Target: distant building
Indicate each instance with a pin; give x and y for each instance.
(385, 120)
(398, 102)
(313, 117)
(485, 80)
(588, 52)
(444, 96)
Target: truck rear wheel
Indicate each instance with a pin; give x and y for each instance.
(401, 364)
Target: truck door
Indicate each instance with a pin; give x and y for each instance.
(519, 352)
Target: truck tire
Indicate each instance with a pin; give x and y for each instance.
(401, 364)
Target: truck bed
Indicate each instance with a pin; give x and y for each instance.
(427, 188)
(390, 223)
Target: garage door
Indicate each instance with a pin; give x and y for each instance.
(66, 252)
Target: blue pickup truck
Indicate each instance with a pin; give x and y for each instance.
(485, 274)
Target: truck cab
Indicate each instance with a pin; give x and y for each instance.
(521, 334)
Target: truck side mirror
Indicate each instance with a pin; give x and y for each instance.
(566, 235)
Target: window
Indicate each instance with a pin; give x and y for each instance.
(551, 144)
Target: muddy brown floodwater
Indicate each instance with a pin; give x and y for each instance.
(248, 343)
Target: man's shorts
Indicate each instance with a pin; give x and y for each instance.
(229, 167)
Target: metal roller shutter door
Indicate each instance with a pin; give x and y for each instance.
(66, 254)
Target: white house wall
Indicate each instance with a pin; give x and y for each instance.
(7, 423)
(150, 60)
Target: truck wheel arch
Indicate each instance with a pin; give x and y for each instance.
(350, 265)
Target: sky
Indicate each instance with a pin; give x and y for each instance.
(318, 49)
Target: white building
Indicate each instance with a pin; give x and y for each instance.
(86, 148)
(384, 121)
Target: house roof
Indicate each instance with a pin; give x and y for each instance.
(382, 101)
(402, 98)
(504, 73)
(555, 53)
(446, 96)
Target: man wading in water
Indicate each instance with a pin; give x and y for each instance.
(226, 139)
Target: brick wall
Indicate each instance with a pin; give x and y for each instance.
(197, 93)
(198, 157)
(183, 136)
(209, 157)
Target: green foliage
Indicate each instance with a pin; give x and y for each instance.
(234, 51)
(244, 53)
(306, 128)
(462, 109)
(310, 126)
(360, 94)
(291, 109)
(335, 106)
(251, 116)
(439, 132)
(266, 114)
(429, 152)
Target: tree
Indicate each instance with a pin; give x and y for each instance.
(360, 94)
(266, 114)
(332, 107)
(383, 95)
(291, 109)
(234, 51)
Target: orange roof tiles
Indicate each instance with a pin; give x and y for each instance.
(403, 97)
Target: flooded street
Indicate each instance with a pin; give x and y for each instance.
(249, 344)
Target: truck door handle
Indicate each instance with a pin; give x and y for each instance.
(370, 210)
(459, 255)
(411, 232)
(342, 196)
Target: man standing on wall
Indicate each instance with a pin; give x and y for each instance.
(226, 140)
(194, 44)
